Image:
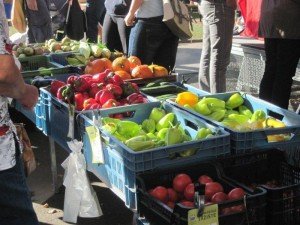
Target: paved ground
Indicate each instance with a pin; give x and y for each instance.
(115, 213)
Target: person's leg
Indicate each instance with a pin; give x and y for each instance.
(39, 23)
(221, 41)
(111, 34)
(145, 40)
(124, 33)
(15, 203)
(205, 9)
(267, 82)
(288, 54)
(92, 20)
(166, 54)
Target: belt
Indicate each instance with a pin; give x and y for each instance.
(157, 18)
(3, 130)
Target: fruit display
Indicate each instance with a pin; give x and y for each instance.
(232, 113)
(102, 90)
(182, 191)
(159, 129)
(126, 68)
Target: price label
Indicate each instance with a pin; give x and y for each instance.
(210, 216)
(96, 144)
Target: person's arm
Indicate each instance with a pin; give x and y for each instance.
(135, 5)
(12, 84)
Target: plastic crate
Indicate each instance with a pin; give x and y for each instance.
(36, 115)
(178, 88)
(122, 164)
(283, 201)
(33, 63)
(158, 213)
(60, 58)
(249, 141)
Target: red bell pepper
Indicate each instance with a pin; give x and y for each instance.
(71, 79)
(136, 87)
(94, 89)
(128, 88)
(117, 80)
(81, 85)
(135, 98)
(55, 85)
(115, 89)
(88, 103)
(103, 96)
(78, 100)
(110, 103)
(95, 106)
(65, 93)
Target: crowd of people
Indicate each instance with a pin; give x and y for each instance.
(135, 27)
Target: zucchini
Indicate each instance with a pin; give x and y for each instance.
(160, 90)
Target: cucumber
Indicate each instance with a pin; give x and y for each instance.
(152, 84)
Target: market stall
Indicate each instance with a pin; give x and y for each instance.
(171, 152)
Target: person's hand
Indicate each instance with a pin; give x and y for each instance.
(30, 96)
(129, 19)
(32, 5)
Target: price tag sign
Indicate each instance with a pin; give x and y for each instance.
(210, 216)
(96, 145)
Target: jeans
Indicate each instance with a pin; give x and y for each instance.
(282, 56)
(15, 203)
(95, 12)
(39, 23)
(115, 33)
(153, 42)
(218, 22)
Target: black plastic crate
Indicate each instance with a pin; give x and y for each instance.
(160, 214)
(271, 171)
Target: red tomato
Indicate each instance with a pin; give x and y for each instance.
(226, 211)
(212, 188)
(187, 203)
(189, 192)
(160, 193)
(173, 196)
(236, 193)
(204, 179)
(181, 181)
(238, 208)
(219, 197)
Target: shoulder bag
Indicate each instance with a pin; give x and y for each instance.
(177, 18)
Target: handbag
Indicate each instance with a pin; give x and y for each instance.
(122, 8)
(27, 154)
(177, 18)
(76, 23)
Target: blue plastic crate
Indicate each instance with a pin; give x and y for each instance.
(248, 141)
(35, 115)
(60, 58)
(122, 164)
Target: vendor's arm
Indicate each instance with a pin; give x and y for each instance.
(135, 5)
(12, 84)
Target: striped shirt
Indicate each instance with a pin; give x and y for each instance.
(150, 8)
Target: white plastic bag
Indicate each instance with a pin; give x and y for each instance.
(80, 198)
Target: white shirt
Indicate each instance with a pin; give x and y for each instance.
(7, 144)
(150, 8)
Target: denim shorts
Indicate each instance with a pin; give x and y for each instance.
(15, 203)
